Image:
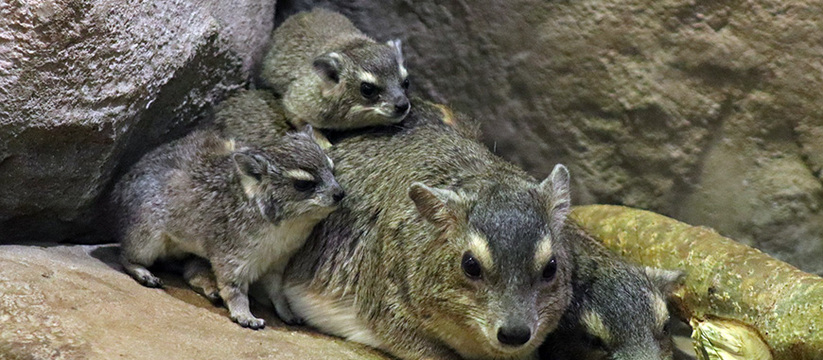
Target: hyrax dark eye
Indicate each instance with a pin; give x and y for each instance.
(405, 84)
(471, 266)
(368, 90)
(304, 185)
(550, 269)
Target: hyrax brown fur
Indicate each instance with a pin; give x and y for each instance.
(618, 310)
(333, 76)
(244, 209)
(439, 250)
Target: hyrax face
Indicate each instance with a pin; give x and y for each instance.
(369, 83)
(293, 178)
(499, 278)
(624, 317)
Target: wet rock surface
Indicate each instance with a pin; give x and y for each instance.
(74, 302)
(704, 111)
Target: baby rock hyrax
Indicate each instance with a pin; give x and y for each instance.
(332, 76)
(618, 310)
(244, 209)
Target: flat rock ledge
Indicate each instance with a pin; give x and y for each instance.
(75, 302)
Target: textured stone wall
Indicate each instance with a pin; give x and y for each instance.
(707, 111)
(87, 86)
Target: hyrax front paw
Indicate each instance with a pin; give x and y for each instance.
(149, 280)
(250, 322)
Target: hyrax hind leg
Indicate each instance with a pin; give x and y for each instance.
(272, 283)
(136, 254)
(200, 278)
(235, 294)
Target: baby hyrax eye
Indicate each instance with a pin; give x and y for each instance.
(368, 90)
(405, 84)
(304, 185)
(471, 267)
(550, 269)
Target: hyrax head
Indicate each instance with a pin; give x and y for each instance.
(623, 314)
(290, 178)
(498, 278)
(368, 83)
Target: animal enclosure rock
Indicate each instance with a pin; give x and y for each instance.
(705, 111)
(88, 86)
(74, 302)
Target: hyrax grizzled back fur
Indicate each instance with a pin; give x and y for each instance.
(244, 209)
(618, 310)
(332, 76)
(440, 249)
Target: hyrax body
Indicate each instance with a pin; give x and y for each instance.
(439, 250)
(244, 209)
(332, 76)
(618, 311)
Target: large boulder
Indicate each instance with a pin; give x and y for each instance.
(74, 302)
(88, 86)
(705, 111)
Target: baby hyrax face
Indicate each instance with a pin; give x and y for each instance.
(370, 83)
(625, 317)
(300, 185)
(499, 280)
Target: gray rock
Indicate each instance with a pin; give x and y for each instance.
(665, 105)
(87, 87)
(74, 302)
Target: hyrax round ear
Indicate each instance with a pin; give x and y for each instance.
(556, 190)
(248, 165)
(664, 280)
(328, 66)
(397, 45)
(438, 206)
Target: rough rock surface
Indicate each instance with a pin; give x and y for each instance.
(87, 86)
(74, 302)
(707, 111)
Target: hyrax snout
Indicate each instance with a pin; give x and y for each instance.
(244, 209)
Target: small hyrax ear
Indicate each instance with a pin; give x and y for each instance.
(556, 187)
(250, 167)
(328, 66)
(436, 205)
(397, 45)
(664, 280)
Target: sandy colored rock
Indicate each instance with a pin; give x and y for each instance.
(88, 86)
(73, 302)
(694, 109)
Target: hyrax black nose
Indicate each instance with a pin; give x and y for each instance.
(338, 195)
(514, 335)
(401, 107)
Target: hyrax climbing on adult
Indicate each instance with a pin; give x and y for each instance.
(618, 310)
(332, 76)
(244, 209)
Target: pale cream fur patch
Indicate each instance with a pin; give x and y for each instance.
(543, 252)
(479, 247)
(300, 174)
(595, 325)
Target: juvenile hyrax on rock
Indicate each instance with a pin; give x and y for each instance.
(440, 248)
(244, 209)
(618, 310)
(332, 76)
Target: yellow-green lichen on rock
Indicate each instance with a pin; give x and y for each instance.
(726, 283)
